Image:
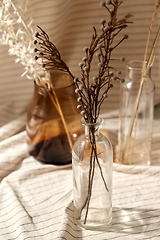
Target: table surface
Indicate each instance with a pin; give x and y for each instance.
(36, 199)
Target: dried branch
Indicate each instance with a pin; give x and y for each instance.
(47, 51)
(101, 47)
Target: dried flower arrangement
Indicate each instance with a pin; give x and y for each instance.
(91, 92)
(149, 58)
(17, 32)
(101, 47)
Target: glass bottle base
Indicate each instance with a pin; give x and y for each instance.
(97, 219)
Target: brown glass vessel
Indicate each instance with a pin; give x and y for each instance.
(53, 121)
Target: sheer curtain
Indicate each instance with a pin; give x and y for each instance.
(70, 24)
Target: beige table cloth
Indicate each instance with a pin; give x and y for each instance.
(36, 199)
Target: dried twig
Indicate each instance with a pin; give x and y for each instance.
(92, 95)
(47, 51)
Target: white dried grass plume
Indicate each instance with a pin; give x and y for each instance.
(16, 31)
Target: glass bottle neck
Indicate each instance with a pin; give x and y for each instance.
(92, 129)
(135, 70)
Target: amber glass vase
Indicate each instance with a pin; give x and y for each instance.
(53, 121)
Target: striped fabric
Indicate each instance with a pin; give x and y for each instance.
(36, 199)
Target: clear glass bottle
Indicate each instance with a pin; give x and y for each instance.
(136, 115)
(92, 160)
